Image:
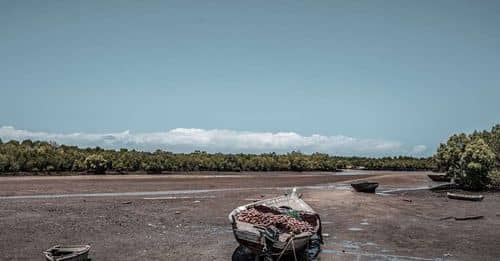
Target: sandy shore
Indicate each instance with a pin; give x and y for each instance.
(120, 223)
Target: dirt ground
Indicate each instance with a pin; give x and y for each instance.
(184, 217)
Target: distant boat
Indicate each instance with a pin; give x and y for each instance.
(439, 177)
(67, 253)
(465, 197)
(365, 186)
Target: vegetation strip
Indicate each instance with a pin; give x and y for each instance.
(39, 157)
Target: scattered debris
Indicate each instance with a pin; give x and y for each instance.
(127, 202)
(325, 235)
(407, 200)
(177, 212)
(196, 201)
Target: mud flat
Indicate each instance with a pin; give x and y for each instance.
(179, 217)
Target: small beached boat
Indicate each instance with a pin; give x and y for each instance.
(268, 242)
(439, 177)
(67, 253)
(365, 186)
(465, 197)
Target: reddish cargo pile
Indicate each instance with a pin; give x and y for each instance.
(283, 222)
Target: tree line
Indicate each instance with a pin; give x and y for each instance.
(41, 156)
(473, 160)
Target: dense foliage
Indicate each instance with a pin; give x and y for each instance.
(472, 160)
(38, 156)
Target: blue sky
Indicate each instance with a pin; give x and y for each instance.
(396, 75)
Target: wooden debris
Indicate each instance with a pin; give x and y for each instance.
(462, 218)
(469, 218)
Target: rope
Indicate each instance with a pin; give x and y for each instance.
(286, 246)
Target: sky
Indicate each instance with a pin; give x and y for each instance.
(370, 78)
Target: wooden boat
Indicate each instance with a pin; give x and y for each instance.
(67, 253)
(365, 186)
(439, 177)
(262, 241)
(465, 197)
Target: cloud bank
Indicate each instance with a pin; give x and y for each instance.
(227, 141)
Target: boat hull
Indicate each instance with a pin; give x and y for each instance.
(465, 197)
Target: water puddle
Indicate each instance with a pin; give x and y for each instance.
(182, 197)
(397, 190)
(350, 245)
(334, 186)
(355, 229)
(118, 194)
(170, 192)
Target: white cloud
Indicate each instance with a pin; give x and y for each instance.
(418, 149)
(185, 140)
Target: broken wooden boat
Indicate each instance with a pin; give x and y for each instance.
(365, 186)
(465, 197)
(67, 253)
(269, 242)
(439, 177)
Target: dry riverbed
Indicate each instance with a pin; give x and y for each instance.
(184, 217)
